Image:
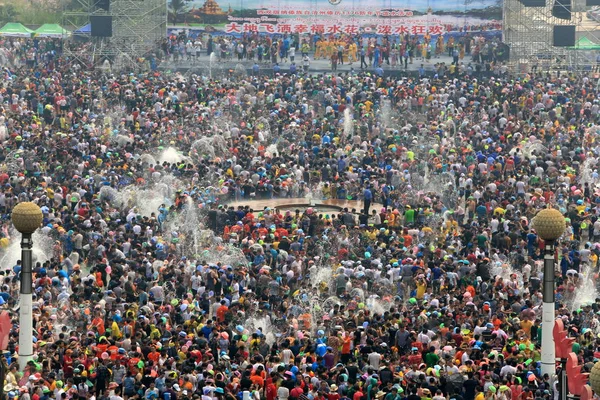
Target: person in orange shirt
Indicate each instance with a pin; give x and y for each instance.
(497, 323)
(221, 311)
(260, 232)
(258, 376)
(98, 323)
(99, 281)
(101, 347)
(346, 349)
(407, 239)
(154, 355)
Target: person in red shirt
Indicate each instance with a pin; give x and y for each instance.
(358, 395)
(68, 363)
(271, 390)
(297, 391)
(342, 253)
(415, 357)
(333, 394)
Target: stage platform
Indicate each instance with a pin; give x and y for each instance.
(331, 205)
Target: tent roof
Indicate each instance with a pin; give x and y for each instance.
(51, 30)
(15, 29)
(585, 44)
(84, 30)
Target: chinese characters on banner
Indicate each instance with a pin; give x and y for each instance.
(335, 13)
(333, 28)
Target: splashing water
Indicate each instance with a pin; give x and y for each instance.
(189, 226)
(316, 193)
(348, 123)
(112, 196)
(357, 293)
(587, 292)
(321, 273)
(14, 163)
(263, 324)
(42, 249)
(202, 148)
(224, 254)
(271, 151)
(171, 155)
(212, 60)
(586, 171)
(504, 270)
(122, 140)
(146, 200)
(208, 147)
(264, 128)
(376, 305)
(532, 148)
(386, 113)
(148, 159)
(240, 70)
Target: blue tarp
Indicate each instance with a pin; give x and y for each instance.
(84, 30)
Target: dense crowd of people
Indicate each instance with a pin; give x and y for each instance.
(156, 275)
(394, 51)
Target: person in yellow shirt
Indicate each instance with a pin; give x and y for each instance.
(593, 260)
(499, 211)
(479, 395)
(526, 325)
(352, 53)
(319, 50)
(421, 287)
(115, 332)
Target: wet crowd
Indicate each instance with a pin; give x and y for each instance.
(167, 268)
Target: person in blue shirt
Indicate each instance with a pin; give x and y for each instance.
(377, 54)
(367, 199)
(17, 269)
(531, 243)
(481, 211)
(293, 68)
(276, 68)
(255, 69)
(207, 329)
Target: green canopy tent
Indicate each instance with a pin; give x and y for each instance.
(585, 44)
(51, 30)
(13, 29)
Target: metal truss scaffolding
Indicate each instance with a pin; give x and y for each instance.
(528, 31)
(138, 26)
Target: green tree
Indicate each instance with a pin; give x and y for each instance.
(8, 13)
(177, 8)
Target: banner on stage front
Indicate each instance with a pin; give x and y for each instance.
(327, 17)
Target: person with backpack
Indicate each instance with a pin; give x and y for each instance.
(102, 377)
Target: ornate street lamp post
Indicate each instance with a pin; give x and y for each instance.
(26, 217)
(549, 225)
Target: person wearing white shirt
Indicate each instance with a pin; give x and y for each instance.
(283, 393)
(374, 360)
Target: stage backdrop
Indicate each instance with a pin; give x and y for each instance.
(382, 17)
